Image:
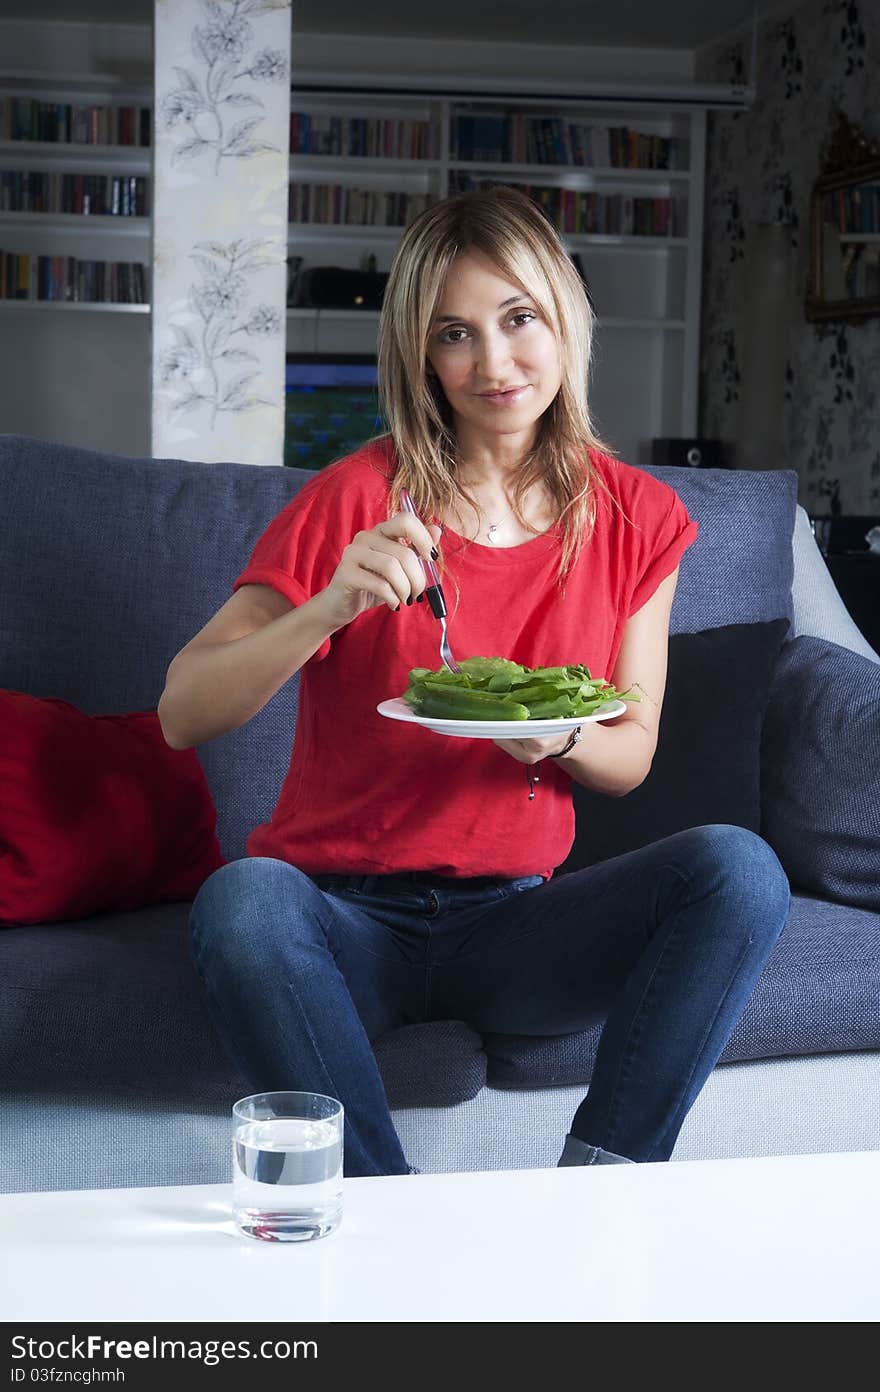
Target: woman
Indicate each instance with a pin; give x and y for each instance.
(407, 877)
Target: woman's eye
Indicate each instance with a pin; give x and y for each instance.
(520, 319)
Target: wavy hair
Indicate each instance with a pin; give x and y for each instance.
(516, 236)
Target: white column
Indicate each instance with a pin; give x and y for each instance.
(221, 134)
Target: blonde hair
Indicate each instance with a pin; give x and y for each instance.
(515, 235)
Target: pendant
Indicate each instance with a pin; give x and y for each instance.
(490, 535)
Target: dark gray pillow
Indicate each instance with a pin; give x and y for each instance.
(706, 768)
(820, 771)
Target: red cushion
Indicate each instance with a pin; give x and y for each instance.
(96, 813)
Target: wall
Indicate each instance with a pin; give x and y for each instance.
(761, 165)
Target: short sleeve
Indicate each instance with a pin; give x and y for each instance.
(666, 531)
(298, 552)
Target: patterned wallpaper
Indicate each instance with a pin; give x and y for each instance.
(761, 165)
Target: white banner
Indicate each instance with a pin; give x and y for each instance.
(221, 133)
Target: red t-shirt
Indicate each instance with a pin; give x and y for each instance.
(369, 795)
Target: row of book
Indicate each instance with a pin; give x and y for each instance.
(356, 137)
(25, 277)
(110, 195)
(854, 209)
(861, 272)
(25, 118)
(332, 203)
(516, 139)
(587, 213)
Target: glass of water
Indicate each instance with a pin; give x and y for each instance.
(287, 1165)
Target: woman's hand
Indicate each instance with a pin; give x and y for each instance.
(532, 751)
(380, 566)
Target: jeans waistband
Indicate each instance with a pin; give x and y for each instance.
(418, 878)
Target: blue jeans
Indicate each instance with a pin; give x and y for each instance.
(666, 944)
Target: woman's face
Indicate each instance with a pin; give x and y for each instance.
(496, 358)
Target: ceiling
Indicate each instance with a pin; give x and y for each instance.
(677, 24)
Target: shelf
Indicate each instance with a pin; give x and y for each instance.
(610, 174)
(344, 231)
(319, 231)
(85, 222)
(625, 242)
(76, 305)
(372, 163)
(136, 158)
(871, 238)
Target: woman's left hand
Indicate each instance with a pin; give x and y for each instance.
(532, 751)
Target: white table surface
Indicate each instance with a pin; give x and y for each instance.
(783, 1239)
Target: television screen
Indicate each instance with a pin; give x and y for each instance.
(331, 407)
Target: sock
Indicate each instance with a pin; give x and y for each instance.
(577, 1152)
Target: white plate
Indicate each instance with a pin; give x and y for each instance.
(397, 709)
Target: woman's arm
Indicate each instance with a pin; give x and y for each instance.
(615, 758)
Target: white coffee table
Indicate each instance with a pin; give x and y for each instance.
(780, 1239)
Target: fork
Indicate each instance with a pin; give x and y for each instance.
(434, 594)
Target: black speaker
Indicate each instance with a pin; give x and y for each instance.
(686, 454)
(337, 287)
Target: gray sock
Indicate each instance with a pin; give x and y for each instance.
(577, 1152)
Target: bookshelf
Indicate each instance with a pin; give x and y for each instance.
(636, 227)
(646, 288)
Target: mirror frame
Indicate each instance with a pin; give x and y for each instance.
(852, 160)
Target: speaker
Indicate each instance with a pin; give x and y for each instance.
(686, 454)
(338, 287)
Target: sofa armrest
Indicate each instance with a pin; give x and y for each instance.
(819, 611)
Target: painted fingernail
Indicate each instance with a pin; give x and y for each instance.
(420, 598)
(435, 554)
(409, 600)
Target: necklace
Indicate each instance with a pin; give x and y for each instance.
(492, 529)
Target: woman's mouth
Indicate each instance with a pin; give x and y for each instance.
(505, 398)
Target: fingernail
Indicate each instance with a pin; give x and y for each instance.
(409, 601)
(420, 598)
(435, 554)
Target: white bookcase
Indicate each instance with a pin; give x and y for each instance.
(645, 288)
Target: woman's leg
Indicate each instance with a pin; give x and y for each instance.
(297, 984)
(666, 943)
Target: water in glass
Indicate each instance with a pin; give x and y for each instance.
(287, 1177)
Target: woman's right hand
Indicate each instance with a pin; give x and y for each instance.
(380, 566)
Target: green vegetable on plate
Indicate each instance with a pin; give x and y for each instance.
(492, 688)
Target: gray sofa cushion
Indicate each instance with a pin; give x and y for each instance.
(113, 1003)
(820, 795)
(747, 518)
(817, 995)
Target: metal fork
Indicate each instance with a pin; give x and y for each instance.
(434, 595)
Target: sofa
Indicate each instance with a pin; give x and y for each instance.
(111, 1070)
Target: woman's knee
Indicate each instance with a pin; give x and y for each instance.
(736, 862)
(247, 901)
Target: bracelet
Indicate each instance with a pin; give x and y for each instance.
(573, 739)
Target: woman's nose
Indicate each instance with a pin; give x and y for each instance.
(492, 356)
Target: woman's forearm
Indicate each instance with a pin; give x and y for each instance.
(212, 689)
(611, 759)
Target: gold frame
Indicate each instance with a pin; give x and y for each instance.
(852, 160)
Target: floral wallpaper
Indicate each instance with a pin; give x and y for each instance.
(220, 189)
(761, 165)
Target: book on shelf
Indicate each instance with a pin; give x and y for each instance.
(340, 206)
(358, 136)
(41, 191)
(586, 212)
(69, 279)
(65, 123)
(516, 138)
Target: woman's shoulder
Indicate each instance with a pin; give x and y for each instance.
(360, 479)
(634, 489)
